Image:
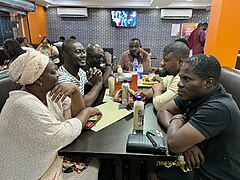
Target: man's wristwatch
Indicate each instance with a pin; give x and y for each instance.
(107, 64)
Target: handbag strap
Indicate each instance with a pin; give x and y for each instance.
(149, 135)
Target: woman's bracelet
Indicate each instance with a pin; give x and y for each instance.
(177, 117)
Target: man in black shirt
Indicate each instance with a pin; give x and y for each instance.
(97, 58)
(203, 123)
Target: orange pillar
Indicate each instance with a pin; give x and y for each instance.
(37, 25)
(223, 37)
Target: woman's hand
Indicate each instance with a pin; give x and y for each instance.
(96, 112)
(49, 46)
(61, 91)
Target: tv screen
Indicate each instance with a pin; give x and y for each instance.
(124, 18)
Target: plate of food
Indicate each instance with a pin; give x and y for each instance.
(147, 81)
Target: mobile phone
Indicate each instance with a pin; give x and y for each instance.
(91, 122)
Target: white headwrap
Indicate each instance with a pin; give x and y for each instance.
(28, 67)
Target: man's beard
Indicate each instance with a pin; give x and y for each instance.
(133, 54)
(163, 72)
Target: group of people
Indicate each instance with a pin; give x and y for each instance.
(14, 47)
(202, 121)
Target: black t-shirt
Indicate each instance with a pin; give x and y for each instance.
(217, 117)
(87, 67)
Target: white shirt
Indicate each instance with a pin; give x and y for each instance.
(170, 84)
(66, 77)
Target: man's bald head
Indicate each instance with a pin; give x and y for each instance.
(95, 54)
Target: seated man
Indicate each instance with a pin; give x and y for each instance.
(74, 56)
(164, 91)
(95, 57)
(203, 123)
(135, 50)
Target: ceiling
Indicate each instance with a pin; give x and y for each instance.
(195, 4)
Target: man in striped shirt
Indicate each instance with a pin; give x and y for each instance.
(74, 56)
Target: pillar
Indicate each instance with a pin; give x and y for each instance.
(223, 37)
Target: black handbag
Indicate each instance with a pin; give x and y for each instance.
(149, 144)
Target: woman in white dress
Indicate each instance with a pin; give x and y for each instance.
(40, 119)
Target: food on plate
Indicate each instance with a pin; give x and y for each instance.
(147, 81)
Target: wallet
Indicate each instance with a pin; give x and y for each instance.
(148, 144)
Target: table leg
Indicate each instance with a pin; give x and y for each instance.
(119, 173)
(135, 173)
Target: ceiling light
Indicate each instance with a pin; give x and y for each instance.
(156, 6)
(189, 0)
(102, 6)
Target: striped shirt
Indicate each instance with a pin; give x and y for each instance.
(66, 77)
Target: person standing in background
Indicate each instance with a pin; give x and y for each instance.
(199, 39)
(135, 50)
(190, 39)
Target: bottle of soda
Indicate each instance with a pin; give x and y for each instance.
(135, 65)
(140, 70)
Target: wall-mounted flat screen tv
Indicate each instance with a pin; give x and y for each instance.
(123, 18)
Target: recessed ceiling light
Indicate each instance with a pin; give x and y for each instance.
(156, 6)
(102, 6)
(189, 0)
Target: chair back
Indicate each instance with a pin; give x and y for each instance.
(6, 85)
(230, 79)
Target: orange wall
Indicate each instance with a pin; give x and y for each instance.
(37, 24)
(223, 37)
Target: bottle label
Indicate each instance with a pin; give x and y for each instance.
(135, 68)
(140, 75)
(140, 117)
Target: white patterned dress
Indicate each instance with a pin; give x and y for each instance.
(31, 135)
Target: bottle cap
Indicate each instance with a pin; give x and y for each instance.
(140, 62)
(138, 98)
(110, 75)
